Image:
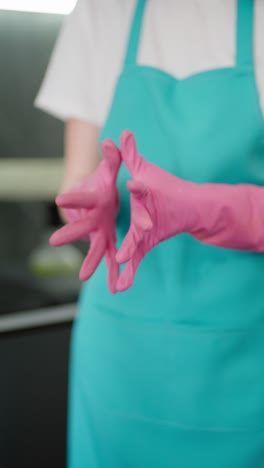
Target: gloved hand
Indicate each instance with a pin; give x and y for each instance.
(91, 208)
(163, 206)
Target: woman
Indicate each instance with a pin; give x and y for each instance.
(170, 372)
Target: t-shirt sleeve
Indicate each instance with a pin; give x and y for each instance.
(69, 88)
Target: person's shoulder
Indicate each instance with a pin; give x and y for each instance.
(103, 20)
(106, 23)
(105, 9)
(259, 12)
(112, 12)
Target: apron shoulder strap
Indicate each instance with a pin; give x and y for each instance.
(135, 33)
(245, 33)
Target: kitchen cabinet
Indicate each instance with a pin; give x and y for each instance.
(34, 354)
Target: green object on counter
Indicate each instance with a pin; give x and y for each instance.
(48, 261)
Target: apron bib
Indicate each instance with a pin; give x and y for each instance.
(171, 373)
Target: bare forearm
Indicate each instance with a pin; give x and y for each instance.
(81, 152)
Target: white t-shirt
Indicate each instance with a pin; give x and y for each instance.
(182, 37)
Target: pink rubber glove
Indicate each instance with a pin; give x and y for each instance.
(163, 206)
(91, 208)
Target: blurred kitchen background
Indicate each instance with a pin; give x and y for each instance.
(38, 284)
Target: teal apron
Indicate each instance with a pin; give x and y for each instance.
(170, 374)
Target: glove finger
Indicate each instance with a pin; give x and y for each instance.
(137, 188)
(75, 231)
(129, 153)
(71, 215)
(129, 246)
(141, 220)
(77, 200)
(140, 224)
(140, 200)
(94, 257)
(127, 277)
(112, 158)
(112, 265)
